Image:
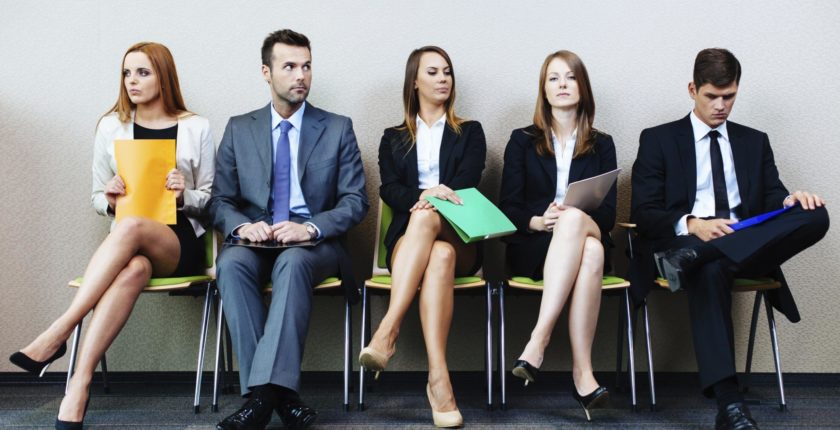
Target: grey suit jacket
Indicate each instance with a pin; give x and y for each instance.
(330, 171)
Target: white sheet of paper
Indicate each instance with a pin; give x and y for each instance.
(588, 193)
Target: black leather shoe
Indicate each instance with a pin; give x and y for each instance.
(593, 400)
(523, 369)
(255, 414)
(296, 415)
(23, 361)
(672, 266)
(735, 416)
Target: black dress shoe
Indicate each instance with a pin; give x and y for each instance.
(23, 361)
(672, 265)
(296, 415)
(735, 416)
(593, 400)
(523, 369)
(72, 425)
(255, 414)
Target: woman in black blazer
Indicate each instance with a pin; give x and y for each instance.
(432, 153)
(560, 244)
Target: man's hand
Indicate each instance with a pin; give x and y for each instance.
(289, 232)
(805, 199)
(256, 232)
(708, 229)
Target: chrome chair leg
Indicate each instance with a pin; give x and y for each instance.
(745, 382)
(347, 353)
(488, 351)
(649, 357)
(202, 343)
(630, 351)
(771, 321)
(214, 407)
(502, 368)
(362, 340)
(74, 349)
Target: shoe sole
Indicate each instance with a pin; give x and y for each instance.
(521, 372)
(672, 274)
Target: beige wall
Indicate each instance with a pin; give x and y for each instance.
(60, 72)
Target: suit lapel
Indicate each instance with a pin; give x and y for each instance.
(688, 158)
(576, 168)
(447, 144)
(410, 160)
(740, 155)
(310, 131)
(261, 131)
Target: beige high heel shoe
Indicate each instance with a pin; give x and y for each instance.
(373, 360)
(444, 419)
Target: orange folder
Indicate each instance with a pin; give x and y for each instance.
(143, 165)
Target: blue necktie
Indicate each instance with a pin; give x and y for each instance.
(282, 174)
(718, 178)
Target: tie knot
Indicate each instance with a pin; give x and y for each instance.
(713, 134)
(285, 126)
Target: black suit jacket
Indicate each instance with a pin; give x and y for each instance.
(529, 183)
(664, 184)
(461, 163)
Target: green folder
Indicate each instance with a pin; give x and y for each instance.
(476, 219)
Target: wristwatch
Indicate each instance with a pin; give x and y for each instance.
(310, 228)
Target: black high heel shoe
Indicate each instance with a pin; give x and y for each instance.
(593, 400)
(23, 361)
(72, 425)
(523, 369)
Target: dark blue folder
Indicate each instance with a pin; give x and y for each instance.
(758, 219)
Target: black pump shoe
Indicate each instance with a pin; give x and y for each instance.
(593, 400)
(23, 361)
(523, 369)
(72, 425)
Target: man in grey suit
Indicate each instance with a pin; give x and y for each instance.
(288, 172)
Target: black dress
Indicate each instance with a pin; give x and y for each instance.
(192, 260)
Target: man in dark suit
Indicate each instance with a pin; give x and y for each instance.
(288, 172)
(692, 180)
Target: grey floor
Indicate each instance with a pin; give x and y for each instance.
(398, 401)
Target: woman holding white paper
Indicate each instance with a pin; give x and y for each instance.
(432, 153)
(560, 244)
(149, 106)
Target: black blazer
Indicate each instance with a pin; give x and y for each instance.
(529, 182)
(461, 163)
(664, 184)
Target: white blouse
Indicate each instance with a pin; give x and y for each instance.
(428, 152)
(563, 157)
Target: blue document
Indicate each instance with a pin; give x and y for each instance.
(758, 219)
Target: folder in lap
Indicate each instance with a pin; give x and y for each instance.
(758, 219)
(476, 219)
(143, 165)
(587, 194)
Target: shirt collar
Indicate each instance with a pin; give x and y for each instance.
(296, 119)
(701, 129)
(440, 121)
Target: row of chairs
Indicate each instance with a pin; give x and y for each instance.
(380, 284)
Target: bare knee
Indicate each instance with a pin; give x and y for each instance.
(425, 219)
(592, 260)
(129, 230)
(443, 253)
(571, 221)
(137, 272)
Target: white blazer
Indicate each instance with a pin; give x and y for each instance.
(194, 157)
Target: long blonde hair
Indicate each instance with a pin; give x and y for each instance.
(585, 111)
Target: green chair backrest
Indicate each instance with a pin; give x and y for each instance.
(384, 218)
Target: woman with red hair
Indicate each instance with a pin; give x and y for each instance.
(149, 106)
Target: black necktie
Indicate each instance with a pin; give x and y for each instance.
(718, 179)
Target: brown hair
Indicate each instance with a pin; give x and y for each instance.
(716, 66)
(411, 103)
(286, 37)
(168, 86)
(585, 110)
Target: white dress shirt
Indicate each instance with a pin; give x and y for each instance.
(563, 158)
(428, 151)
(704, 200)
(297, 204)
